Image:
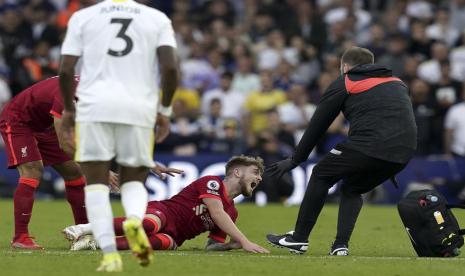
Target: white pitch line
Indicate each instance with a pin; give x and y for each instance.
(180, 253)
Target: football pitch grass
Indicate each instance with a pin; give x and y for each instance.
(379, 246)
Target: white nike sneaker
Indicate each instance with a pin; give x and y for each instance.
(72, 233)
(86, 242)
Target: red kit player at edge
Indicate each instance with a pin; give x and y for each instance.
(27, 125)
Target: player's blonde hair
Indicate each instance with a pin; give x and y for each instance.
(243, 160)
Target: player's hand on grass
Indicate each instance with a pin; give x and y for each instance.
(162, 128)
(254, 248)
(213, 245)
(67, 132)
(113, 181)
(162, 171)
(234, 245)
(281, 167)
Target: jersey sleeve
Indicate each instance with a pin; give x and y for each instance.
(57, 106)
(166, 36)
(209, 187)
(72, 45)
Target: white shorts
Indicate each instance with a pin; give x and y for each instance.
(132, 145)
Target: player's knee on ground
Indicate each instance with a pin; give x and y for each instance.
(32, 170)
(162, 241)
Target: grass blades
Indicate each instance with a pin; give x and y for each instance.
(379, 246)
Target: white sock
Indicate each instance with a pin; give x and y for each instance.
(134, 197)
(100, 215)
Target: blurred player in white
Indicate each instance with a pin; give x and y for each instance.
(120, 42)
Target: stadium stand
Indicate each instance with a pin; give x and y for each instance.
(266, 46)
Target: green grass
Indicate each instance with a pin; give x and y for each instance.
(379, 247)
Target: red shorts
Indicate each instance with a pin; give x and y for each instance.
(24, 145)
(158, 209)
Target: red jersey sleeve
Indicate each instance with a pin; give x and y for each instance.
(57, 106)
(209, 186)
(219, 235)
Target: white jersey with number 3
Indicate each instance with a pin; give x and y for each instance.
(117, 41)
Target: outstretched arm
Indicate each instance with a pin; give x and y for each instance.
(66, 131)
(64, 145)
(328, 109)
(224, 222)
(169, 80)
(169, 73)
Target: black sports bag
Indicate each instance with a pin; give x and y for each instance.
(430, 224)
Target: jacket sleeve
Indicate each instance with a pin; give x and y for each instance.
(330, 105)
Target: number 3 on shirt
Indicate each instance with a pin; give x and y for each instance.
(122, 34)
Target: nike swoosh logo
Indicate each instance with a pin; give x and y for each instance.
(283, 241)
(23, 214)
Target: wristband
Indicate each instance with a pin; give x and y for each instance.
(165, 111)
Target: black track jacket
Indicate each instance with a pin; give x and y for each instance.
(378, 107)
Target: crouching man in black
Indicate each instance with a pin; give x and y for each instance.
(382, 140)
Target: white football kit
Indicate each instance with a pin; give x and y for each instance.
(117, 42)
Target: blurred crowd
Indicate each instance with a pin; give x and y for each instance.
(252, 71)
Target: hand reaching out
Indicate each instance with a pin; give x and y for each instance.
(162, 171)
(281, 167)
(113, 181)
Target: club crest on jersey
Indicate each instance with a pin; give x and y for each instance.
(24, 151)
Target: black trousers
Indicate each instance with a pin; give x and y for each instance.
(360, 174)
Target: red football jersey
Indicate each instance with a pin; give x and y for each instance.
(35, 105)
(189, 214)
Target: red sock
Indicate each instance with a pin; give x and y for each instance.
(118, 225)
(159, 241)
(23, 202)
(150, 226)
(154, 221)
(162, 241)
(122, 243)
(75, 197)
